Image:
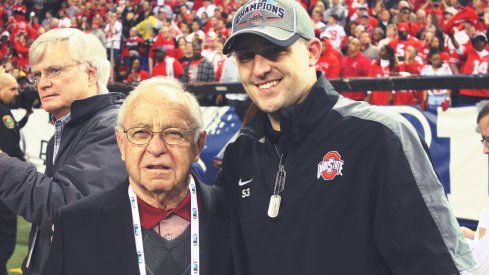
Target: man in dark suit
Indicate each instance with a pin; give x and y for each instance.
(162, 220)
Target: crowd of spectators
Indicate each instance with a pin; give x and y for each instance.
(184, 39)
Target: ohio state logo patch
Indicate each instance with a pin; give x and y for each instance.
(331, 166)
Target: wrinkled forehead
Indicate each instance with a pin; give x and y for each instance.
(52, 53)
(156, 109)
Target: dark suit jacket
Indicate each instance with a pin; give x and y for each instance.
(95, 235)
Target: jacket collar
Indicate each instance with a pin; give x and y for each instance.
(83, 108)
(206, 192)
(299, 119)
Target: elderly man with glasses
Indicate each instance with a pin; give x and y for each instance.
(71, 71)
(161, 220)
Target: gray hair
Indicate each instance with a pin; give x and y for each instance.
(83, 47)
(174, 89)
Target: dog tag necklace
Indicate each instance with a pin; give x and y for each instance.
(275, 199)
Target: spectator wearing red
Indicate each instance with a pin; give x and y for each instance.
(181, 42)
(357, 8)
(410, 66)
(365, 21)
(34, 23)
(19, 11)
(416, 27)
(403, 41)
(166, 65)
(448, 14)
(477, 62)
(435, 8)
(329, 63)
(3, 15)
(22, 49)
(355, 64)
(384, 67)
(165, 40)
(221, 30)
(137, 74)
(133, 46)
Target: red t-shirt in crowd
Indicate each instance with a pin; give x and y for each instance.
(329, 64)
(408, 97)
(168, 44)
(356, 66)
(476, 63)
(381, 69)
(160, 68)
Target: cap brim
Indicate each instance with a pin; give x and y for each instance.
(276, 36)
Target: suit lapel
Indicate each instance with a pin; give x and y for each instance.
(116, 220)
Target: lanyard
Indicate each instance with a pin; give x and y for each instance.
(194, 230)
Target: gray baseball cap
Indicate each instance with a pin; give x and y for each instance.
(281, 22)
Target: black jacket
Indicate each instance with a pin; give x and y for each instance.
(95, 235)
(360, 195)
(88, 161)
(9, 133)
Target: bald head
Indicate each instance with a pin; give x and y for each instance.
(9, 89)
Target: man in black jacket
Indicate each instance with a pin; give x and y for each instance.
(9, 143)
(71, 72)
(321, 184)
(161, 220)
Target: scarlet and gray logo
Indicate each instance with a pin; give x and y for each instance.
(331, 166)
(274, 12)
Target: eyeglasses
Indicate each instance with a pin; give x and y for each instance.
(143, 135)
(485, 141)
(49, 72)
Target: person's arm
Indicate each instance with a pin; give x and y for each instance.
(412, 211)
(8, 144)
(94, 166)
(151, 65)
(24, 120)
(177, 68)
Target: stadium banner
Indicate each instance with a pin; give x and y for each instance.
(451, 136)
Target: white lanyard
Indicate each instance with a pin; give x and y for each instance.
(194, 230)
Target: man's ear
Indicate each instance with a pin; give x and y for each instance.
(200, 145)
(119, 135)
(314, 49)
(92, 76)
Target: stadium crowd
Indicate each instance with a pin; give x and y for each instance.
(184, 39)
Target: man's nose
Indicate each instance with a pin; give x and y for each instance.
(261, 65)
(157, 145)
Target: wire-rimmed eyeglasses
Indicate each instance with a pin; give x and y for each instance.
(49, 72)
(485, 141)
(143, 135)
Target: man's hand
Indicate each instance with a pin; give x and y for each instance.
(467, 232)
